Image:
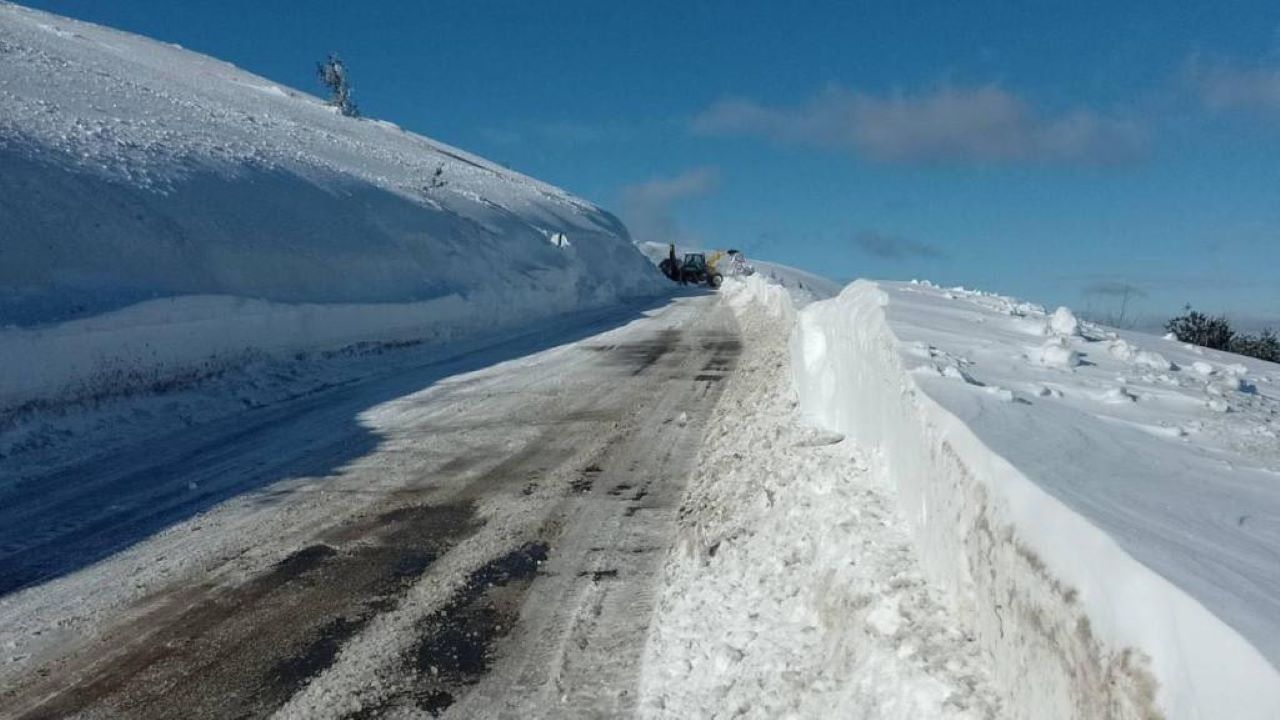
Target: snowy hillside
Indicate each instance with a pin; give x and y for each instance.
(159, 208)
(1102, 506)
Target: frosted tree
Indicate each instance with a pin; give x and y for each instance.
(333, 75)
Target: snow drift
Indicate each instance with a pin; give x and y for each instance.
(1100, 506)
(161, 210)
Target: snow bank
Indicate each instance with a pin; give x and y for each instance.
(161, 343)
(1116, 559)
(159, 207)
(804, 287)
(773, 299)
(793, 591)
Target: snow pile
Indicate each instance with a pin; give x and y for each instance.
(1058, 353)
(1063, 322)
(161, 211)
(1128, 352)
(793, 591)
(772, 298)
(1101, 509)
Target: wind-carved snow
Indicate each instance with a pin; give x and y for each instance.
(159, 208)
(1107, 521)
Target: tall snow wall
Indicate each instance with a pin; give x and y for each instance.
(163, 213)
(1077, 628)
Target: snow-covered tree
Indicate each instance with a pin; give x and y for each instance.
(333, 75)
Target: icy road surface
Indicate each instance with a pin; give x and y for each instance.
(490, 539)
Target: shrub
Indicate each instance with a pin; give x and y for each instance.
(1215, 332)
(1199, 329)
(1264, 346)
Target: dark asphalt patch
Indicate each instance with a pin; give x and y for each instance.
(457, 639)
(214, 652)
(296, 670)
(302, 562)
(638, 357)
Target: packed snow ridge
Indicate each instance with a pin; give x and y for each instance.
(162, 213)
(793, 590)
(1102, 507)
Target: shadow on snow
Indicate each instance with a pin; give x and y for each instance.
(56, 524)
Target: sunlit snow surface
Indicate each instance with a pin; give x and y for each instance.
(136, 172)
(1141, 476)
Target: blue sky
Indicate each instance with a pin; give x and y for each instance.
(1066, 152)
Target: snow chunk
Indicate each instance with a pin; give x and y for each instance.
(1001, 394)
(1118, 395)
(1153, 360)
(1128, 352)
(1057, 353)
(1122, 350)
(1063, 322)
(955, 373)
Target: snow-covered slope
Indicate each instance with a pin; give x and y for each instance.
(159, 208)
(1104, 507)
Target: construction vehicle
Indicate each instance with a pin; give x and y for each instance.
(697, 269)
(671, 268)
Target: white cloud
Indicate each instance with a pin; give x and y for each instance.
(647, 207)
(691, 183)
(949, 124)
(1227, 86)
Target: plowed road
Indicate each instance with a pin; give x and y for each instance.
(475, 544)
